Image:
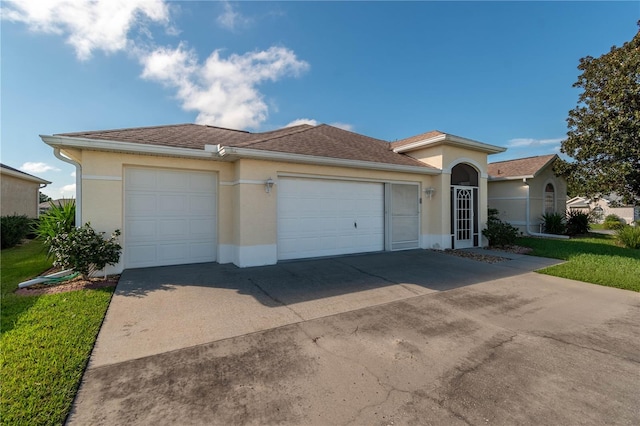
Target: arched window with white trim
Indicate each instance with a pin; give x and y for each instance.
(549, 198)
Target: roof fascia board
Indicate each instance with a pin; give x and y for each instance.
(127, 147)
(451, 140)
(24, 176)
(326, 161)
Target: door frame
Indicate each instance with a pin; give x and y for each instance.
(471, 217)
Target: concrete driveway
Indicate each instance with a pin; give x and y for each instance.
(415, 337)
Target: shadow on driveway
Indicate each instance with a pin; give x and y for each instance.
(294, 282)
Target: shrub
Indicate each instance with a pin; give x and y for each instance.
(499, 233)
(84, 250)
(554, 223)
(13, 229)
(578, 222)
(613, 221)
(57, 220)
(629, 237)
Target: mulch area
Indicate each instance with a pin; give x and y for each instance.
(489, 258)
(72, 285)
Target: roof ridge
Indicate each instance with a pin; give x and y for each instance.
(523, 158)
(303, 128)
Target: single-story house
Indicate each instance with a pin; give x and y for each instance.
(20, 192)
(192, 193)
(602, 207)
(524, 189)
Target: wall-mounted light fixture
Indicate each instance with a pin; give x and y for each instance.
(429, 191)
(268, 184)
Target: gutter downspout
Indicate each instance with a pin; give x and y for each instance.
(42, 186)
(537, 234)
(58, 154)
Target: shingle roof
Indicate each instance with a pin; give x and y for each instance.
(322, 140)
(416, 138)
(520, 167)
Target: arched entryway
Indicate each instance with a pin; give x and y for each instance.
(464, 206)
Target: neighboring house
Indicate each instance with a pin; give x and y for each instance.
(20, 192)
(601, 208)
(524, 189)
(46, 205)
(193, 193)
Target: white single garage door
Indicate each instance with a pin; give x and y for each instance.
(170, 217)
(329, 217)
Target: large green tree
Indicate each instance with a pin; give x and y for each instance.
(604, 128)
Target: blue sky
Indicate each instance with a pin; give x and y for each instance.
(497, 72)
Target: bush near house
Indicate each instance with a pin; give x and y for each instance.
(613, 221)
(13, 229)
(499, 233)
(578, 222)
(58, 219)
(84, 250)
(629, 237)
(554, 223)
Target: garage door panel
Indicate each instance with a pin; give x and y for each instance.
(141, 204)
(202, 228)
(141, 230)
(173, 228)
(170, 217)
(316, 217)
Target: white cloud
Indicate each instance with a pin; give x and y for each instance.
(521, 142)
(88, 25)
(231, 19)
(30, 167)
(222, 90)
(73, 174)
(300, 121)
(68, 191)
(343, 126)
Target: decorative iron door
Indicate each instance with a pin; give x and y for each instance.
(463, 216)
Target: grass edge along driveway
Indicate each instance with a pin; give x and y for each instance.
(594, 259)
(45, 342)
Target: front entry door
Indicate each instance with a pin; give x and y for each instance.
(464, 220)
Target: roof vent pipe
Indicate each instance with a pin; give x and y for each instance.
(58, 154)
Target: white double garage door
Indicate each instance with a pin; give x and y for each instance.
(171, 217)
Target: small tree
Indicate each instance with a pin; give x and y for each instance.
(499, 233)
(84, 250)
(43, 198)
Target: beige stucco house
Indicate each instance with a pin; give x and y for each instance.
(524, 189)
(603, 207)
(20, 192)
(193, 193)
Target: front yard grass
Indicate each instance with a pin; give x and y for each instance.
(594, 259)
(45, 341)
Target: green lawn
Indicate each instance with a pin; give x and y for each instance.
(45, 342)
(595, 259)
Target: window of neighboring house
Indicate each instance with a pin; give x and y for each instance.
(549, 199)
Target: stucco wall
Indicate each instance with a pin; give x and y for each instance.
(510, 198)
(247, 222)
(18, 196)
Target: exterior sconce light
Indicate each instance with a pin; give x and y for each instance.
(429, 191)
(268, 184)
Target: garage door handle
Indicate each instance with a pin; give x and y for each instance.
(355, 225)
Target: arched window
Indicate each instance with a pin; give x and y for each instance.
(549, 199)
